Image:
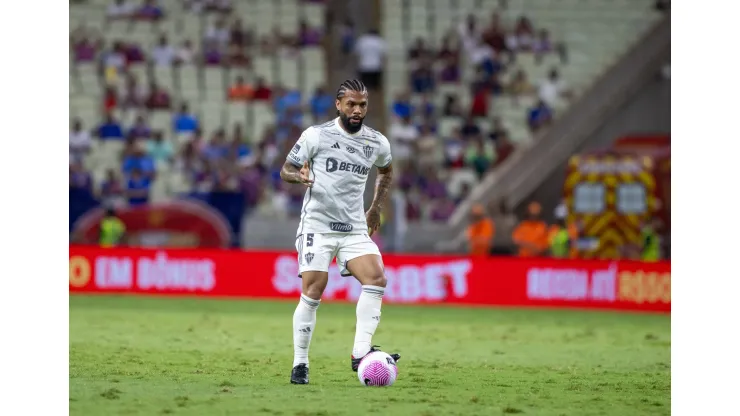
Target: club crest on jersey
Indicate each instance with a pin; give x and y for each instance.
(308, 257)
(368, 151)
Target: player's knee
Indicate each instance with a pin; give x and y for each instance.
(377, 279)
(313, 291)
(313, 286)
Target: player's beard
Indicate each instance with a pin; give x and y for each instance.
(350, 127)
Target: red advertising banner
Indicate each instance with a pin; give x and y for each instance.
(412, 279)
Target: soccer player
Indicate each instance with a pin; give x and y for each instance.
(333, 160)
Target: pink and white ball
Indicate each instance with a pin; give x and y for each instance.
(377, 369)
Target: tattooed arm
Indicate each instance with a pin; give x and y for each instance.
(382, 185)
(293, 174)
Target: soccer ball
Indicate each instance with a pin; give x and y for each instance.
(377, 369)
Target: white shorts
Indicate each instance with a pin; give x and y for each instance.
(316, 251)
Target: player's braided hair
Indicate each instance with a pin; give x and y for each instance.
(351, 85)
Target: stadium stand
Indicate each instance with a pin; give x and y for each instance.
(194, 94)
(480, 77)
(199, 96)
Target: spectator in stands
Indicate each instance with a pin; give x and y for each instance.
(183, 121)
(189, 161)
(163, 54)
(121, 9)
(553, 89)
(159, 98)
(494, 85)
(134, 95)
(203, 180)
(250, 180)
(85, 44)
(110, 129)
(137, 188)
(79, 178)
(79, 140)
(442, 209)
(520, 85)
(426, 148)
(402, 105)
(225, 181)
(348, 37)
(236, 56)
(427, 109)
(138, 160)
(454, 150)
(287, 105)
(403, 135)
(261, 91)
(113, 62)
(150, 11)
(308, 36)
(217, 148)
(539, 116)
(451, 106)
(495, 35)
(111, 189)
(322, 104)
(531, 234)
(159, 149)
(185, 54)
(448, 50)
(212, 55)
(133, 53)
(542, 44)
(481, 101)
(450, 71)
(422, 77)
(420, 51)
(110, 99)
(238, 150)
(497, 130)
(140, 129)
(480, 156)
(238, 35)
(371, 53)
(431, 184)
(469, 128)
(522, 37)
(469, 34)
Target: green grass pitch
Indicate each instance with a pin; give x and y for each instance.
(153, 356)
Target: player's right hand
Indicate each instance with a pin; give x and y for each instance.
(306, 175)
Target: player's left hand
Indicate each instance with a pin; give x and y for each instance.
(373, 220)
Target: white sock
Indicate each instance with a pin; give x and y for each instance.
(304, 321)
(368, 318)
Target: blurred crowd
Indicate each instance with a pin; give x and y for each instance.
(427, 157)
(224, 158)
(209, 158)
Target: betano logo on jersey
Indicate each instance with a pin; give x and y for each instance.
(333, 165)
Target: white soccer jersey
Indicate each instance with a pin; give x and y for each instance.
(340, 163)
